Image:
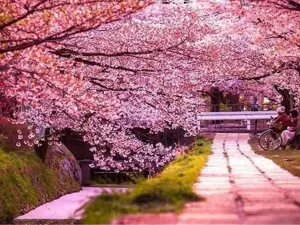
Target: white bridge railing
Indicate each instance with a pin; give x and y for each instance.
(241, 115)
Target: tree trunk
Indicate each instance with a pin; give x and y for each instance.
(287, 100)
(215, 96)
(234, 102)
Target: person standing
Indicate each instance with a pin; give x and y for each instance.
(254, 104)
(254, 107)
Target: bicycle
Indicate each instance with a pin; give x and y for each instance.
(271, 138)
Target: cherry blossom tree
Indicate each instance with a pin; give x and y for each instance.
(27, 26)
(266, 52)
(108, 80)
(276, 23)
(27, 23)
(104, 72)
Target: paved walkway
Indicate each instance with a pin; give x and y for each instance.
(66, 207)
(243, 188)
(240, 188)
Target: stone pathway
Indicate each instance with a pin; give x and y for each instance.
(67, 207)
(242, 187)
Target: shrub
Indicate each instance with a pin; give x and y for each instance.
(167, 191)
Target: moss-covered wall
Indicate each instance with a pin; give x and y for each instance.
(26, 182)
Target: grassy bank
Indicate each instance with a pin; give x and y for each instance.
(287, 159)
(167, 192)
(25, 181)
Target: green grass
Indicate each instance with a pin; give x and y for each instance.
(167, 192)
(287, 159)
(25, 181)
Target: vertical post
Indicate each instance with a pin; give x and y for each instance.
(86, 171)
(248, 124)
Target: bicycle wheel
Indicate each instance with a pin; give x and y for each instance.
(270, 140)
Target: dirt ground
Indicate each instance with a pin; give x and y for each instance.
(287, 159)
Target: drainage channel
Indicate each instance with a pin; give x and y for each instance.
(234, 189)
(282, 190)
